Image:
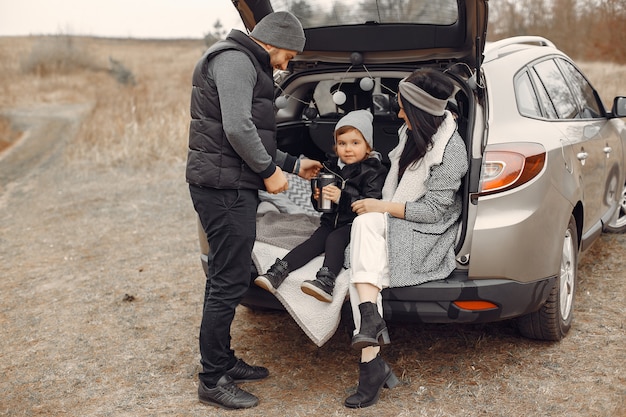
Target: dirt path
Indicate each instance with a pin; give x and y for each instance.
(100, 297)
(45, 129)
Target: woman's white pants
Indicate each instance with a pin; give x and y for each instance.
(369, 263)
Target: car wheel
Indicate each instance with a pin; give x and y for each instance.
(554, 319)
(618, 224)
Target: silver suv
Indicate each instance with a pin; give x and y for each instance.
(547, 160)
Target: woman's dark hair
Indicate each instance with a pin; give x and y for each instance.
(423, 125)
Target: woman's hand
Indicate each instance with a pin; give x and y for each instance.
(369, 205)
(372, 205)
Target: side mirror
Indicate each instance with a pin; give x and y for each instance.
(619, 107)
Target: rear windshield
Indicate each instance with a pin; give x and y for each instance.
(317, 13)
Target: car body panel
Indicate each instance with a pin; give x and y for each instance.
(504, 235)
(586, 144)
(593, 181)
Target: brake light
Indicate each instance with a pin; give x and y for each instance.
(506, 166)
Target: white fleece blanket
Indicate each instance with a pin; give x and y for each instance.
(277, 233)
(317, 319)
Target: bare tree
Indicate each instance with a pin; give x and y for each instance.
(584, 29)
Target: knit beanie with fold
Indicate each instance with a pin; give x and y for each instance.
(362, 121)
(281, 30)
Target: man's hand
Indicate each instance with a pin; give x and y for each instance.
(277, 182)
(309, 168)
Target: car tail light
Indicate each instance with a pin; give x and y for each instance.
(506, 166)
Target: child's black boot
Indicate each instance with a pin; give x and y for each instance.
(322, 286)
(274, 276)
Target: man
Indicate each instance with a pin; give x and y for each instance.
(232, 154)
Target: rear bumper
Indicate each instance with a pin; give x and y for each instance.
(433, 302)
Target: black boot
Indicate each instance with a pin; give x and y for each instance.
(373, 376)
(274, 276)
(322, 286)
(373, 331)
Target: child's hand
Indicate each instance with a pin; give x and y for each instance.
(332, 193)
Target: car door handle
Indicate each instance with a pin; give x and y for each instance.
(582, 156)
(607, 150)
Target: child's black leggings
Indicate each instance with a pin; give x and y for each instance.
(326, 240)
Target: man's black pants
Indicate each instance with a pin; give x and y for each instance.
(228, 218)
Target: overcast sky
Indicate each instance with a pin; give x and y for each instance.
(116, 18)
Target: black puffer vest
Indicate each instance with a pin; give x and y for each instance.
(211, 160)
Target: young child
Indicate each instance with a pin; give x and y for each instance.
(359, 173)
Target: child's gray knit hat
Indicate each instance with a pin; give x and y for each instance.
(280, 29)
(361, 120)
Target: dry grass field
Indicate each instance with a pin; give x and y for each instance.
(101, 285)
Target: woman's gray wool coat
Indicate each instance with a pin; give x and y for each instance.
(420, 250)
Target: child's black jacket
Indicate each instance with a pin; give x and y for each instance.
(360, 180)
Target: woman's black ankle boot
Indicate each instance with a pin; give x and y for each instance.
(373, 331)
(373, 376)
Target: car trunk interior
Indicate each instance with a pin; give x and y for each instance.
(313, 136)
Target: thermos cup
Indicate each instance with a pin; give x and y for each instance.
(324, 205)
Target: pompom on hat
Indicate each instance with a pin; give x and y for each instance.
(282, 30)
(362, 121)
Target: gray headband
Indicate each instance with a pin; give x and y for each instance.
(421, 99)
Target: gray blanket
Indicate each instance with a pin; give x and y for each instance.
(285, 230)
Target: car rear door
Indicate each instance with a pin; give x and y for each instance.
(599, 127)
(583, 137)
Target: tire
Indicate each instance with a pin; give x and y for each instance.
(554, 319)
(618, 223)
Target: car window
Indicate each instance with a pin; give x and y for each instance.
(316, 13)
(542, 94)
(582, 90)
(527, 102)
(557, 89)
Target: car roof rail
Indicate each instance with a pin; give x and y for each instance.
(495, 49)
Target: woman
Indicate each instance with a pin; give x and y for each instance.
(408, 237)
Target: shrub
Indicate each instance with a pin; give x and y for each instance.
(122, 74)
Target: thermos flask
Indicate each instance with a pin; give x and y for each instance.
(324, 205)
